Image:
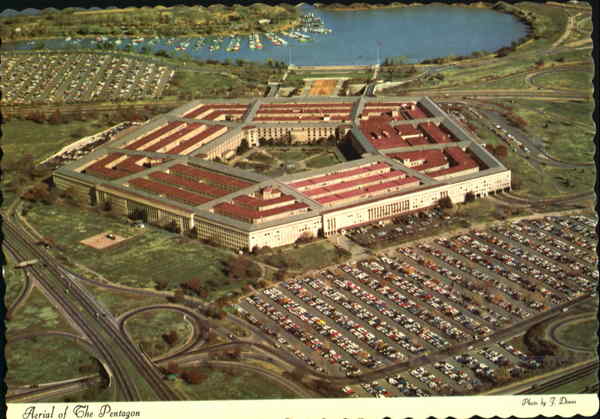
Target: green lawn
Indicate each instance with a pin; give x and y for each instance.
(511, 82)
(323, 160)
(14, 281)
(565, 80)
(576, 386)
(305, 257)
(36, 315)
(36, 360)
(150, 255)
(550, 22)
(293, 154)
(566, 127)
(21, 137)
(535, 183)
(223, 384)
(118, 303)
(581, 334)
(147, 328)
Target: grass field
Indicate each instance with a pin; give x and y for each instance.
(36, 360)
(567, 127)
(21, 137)
(293, 154)
(550, 23)
(581, 80)
(322, 160)
(14, 281)
(581, 334)
(37, 314)
(305, 257)
(152, 255)
(221, 384)
(147, 328)
(576, 386)
(118, 303)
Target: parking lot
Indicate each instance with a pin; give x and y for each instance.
(425, 298)
(399, 229)
(79, 78)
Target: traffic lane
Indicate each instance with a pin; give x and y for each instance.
(536, 145)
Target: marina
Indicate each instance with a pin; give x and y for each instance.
(324, 37)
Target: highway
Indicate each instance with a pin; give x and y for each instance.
(122, 359)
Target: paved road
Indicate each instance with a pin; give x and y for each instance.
(118, 353)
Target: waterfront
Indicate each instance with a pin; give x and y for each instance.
(357, 38)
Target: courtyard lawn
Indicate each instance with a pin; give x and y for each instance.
(293, 154)
(150, 255)
(36, 360)
(226, 384)
(147, 329)
(323, 160)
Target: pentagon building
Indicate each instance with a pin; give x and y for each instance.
(410, 154)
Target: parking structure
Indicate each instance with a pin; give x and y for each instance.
(57, 78)
(426, 298)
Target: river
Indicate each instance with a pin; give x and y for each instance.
(358, 37)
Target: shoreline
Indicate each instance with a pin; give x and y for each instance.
(499, 7)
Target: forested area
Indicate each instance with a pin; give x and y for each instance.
(146, 21)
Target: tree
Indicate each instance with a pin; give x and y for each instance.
(445, 203)
(469, 197)
(107, 206)
(192, 376)
(171, 337)
(500, 151)
(243, 147)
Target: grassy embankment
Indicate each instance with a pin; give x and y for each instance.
(40, 140)
(147, 329)
(567, 131)
(150, 255)
(14, 280)
(578, 334)
(303, 257)
(226, 384)
(221, 80)
(36, 361)
(37, 315)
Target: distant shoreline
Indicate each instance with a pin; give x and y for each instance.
(395, 5)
